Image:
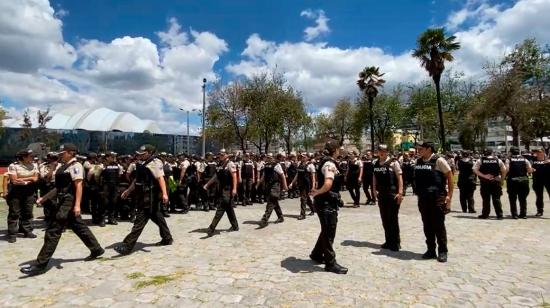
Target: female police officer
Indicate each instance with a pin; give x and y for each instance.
(327, 199)
(68, 187)
(23, 176)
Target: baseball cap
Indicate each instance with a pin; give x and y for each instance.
(146, 148)
(23, 153)
(382, 147)
(66, 147)
(428, 145)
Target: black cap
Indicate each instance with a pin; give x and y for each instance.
(92, 155)
(149, 148)
(514, 150)
(428, 145)
(332, 146)
(23, 153)
(66, 147)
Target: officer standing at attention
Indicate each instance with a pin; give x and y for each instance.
(226, 178)
(150, 191)
(388, 187)
(491, 171)
(466, 182)
(517, 182)
(434, 187)
(541, 179)
(68, 188)
(272, 178)
(248, 179)
(327, 201)
(23, 176)
(109, 180)
(353, 178)
(367, 178)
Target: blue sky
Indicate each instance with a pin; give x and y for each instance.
(149, 57)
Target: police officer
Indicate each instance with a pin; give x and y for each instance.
(304, 180)
(353, 178)
(541, 179)
(291, 171)
(327, 201)
(368, 171)
(92, 170)
(47, 183)
(23, 176)
(466, 182)
(407, 166)
(248, 177)
(109, 180)
(209, 195)
(388, 185)
(273, 177)
(259, 187)
(68, 189)
(226, 178)
(434, 187)
(517, 182)
(150, 190)
(491, 171)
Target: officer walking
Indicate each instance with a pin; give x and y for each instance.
(541, 179)
(150, 190)
(226, 178)
(517, 182)
(23, 176)
(273, 177)
(388, 186)
(491, 171)
(208, 196)
(305, 181)
(68, 188)
(466, 182)
(434, 187)
(46, 183)
(327, 201)
(109, 181)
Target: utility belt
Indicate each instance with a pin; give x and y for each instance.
(329, 200)
(519, 179)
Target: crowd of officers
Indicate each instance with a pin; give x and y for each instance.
(150, 185)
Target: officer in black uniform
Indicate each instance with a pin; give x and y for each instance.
(304, 180)
(248, 179)
(273, 177)
(124, 206)
(407, 166)
(109, 181)
(150, 190)
(368, 171)
(226, 179)
(466, 182)
(491, 171)
(434, 187)
(353, 178)
(388, 185)
(327, 201)
(343, 168)
(541, 179)
(192, 183)
(68, 188)
(208, 196)
(291, 172)
(517, 182)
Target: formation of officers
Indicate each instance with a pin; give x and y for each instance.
(151, 186)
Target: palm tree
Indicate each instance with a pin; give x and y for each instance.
(433, 49)
(369, 82)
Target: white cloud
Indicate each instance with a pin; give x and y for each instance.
(321, 24)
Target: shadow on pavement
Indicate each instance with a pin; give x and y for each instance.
(54, 262)
(360, 244)
(466, 217)
(291, 216)
(294, 265)
(401, 255)
(251, 222)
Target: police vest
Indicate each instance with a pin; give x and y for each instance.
(386, 181)
(167, 170)
(270, 176)
(303, 176)
(144, 177)
(354, 169)
(466, 172)
(191, 170)
(368, 169)
(489, 166)
(210, 170)
(111, 174)
(292, 170)
(63, 180)
(333, 195)
(428, 180)
(225, 178)
(518, 167)
(247, 172)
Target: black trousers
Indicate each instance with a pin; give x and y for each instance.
(389, 213)
(354, 190)
(247, 184)
(208, 196)
(467, 196)
(518, 190)
(367, 188)
(491, 191)
(539, 188)
(65, 218)
(20, 206)
(328, 217)
(304, 199)
(126, 207)
(225, 205)
(408, 180)
(109, 196)
(272, 197)
(148, 207)
(96, 207)
(433, 219)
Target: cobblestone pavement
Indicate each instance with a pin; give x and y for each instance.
(491, 263)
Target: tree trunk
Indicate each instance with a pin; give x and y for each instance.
(371, 122)
(515, 131)
(437, 79)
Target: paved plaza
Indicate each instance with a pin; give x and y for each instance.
(491, 264)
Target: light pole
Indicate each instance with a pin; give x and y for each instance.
(203, 116)
(188, 138)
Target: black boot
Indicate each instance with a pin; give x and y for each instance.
(33, 270)
(95, 254)
(336, 268)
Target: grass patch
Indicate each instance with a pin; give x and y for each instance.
(155, 280)
(135, 275)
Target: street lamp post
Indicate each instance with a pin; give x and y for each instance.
(203, 116)
(187, 111)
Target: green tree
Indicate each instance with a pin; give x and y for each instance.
(294, 116)
(340, 124)
(370, 79)
(2, 118)
(388, 114)
(26, 124)
(433, 49)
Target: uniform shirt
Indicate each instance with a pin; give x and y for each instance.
(500, 164)
(441, 164)
(23, 171)
(394, 165)
(260, 165)
(131, 168)
(358, 162)
(329, 170)
(185, 164)
(76, 169)
(156, 167)
(45, 168)
(278, 169)
(310, 168)
(231, 166)
(200, 166)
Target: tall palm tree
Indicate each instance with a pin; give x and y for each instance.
(370, 79)
(433, 49)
